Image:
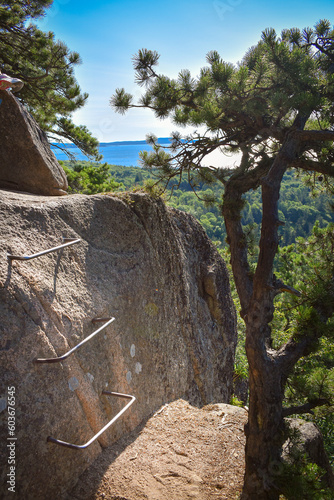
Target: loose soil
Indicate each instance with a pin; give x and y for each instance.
(180, 453)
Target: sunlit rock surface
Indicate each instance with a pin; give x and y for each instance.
(174, 335)
(26, 160)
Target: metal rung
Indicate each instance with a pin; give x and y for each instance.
(83, 446)
(67, 243)
(99, 320)
(67, 354)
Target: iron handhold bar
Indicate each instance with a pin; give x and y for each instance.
(68, 353)
(83, 446)
(67, 242)
(99, 320)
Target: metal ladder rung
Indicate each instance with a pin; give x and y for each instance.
(67, 242)
(68, 353)
(83, 446)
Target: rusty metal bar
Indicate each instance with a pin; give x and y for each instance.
(68, 353)
(99, 320)
(67, 242)
(83, 446)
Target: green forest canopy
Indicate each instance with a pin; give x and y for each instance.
(301, 204)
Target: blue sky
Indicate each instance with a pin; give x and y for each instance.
(107, 33)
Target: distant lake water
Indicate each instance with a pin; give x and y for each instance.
(115, 153)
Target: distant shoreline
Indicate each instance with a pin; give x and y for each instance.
(70, 145)
(124, 153)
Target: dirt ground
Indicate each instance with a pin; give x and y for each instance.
(182, 452)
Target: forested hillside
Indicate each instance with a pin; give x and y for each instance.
(302, 203)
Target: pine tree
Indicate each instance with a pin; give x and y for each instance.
(309, 263)
(276, 109)
(46, 66)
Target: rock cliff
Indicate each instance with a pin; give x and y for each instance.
(26, 160)
(174, 335)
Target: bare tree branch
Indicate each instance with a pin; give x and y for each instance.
(315, 135)
(315, 166)
(305, 408)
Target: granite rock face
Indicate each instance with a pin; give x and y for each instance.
(26, 160)
(174, 335)
(307, 439)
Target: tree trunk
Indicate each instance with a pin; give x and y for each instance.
(265, 427)
(267, 376)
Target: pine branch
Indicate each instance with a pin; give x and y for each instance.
(280, 287)
(315, 135)
(315, 166)
(305, 408)
(302, 343)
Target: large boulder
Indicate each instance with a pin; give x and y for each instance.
(174, 336)
(306, 438)
(26, 160)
